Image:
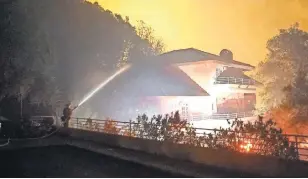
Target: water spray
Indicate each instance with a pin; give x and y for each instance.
(101, 85)
(87, 97)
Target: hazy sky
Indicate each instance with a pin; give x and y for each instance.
(243, 26)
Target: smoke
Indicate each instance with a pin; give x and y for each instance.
(100, 86)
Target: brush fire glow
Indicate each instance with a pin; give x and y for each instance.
(203, 25)
(247, 147)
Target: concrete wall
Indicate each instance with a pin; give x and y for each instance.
(254, 164)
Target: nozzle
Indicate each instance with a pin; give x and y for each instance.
(75, 107)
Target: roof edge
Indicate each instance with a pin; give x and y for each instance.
(203, 53)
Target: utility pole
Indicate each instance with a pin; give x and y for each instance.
(20, 106)
(20, 99)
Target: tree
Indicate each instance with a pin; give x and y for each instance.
(25, 54)
(283, 69)
(146, 33)
(26, 57)
(289, 119)
(148, 46)
(55, 51)
(283, 73)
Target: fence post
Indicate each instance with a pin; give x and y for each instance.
(130, 128)
(77, 121)
(296, 146)
(190, 139)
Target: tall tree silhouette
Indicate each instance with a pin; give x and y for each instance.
(284, 76)
(57, 50)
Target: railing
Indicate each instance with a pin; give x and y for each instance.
(232, 80)
(198, 117)
(246, 142)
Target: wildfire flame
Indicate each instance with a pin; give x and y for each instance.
(246, 147)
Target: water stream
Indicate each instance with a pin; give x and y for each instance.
(101, 85)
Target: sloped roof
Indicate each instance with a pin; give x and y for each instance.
(153, 81)
(185, 85)
(139, 81)
(187, 55)
(194, 55)
(241, 63)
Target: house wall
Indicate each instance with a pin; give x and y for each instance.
(236, 102)
(195, 105)
(204, 73)
(156, 105)
(186, 105)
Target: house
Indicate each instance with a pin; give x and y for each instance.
(232, 94)
(202, 86)
(148, 88)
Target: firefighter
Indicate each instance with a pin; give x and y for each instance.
(67, 113)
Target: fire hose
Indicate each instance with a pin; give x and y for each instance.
(9, 140)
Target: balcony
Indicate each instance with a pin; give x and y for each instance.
(232, 80)
(217, 116)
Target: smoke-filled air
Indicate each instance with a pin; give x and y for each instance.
(176, 68)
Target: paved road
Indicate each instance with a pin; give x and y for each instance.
(66, 161)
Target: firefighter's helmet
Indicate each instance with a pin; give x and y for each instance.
(68, 104)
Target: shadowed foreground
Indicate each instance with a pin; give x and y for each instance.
(66, 161)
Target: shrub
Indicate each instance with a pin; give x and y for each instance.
(110, 127)
(260, 137)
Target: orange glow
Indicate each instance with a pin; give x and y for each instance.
(246, 147)
(242, 26)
